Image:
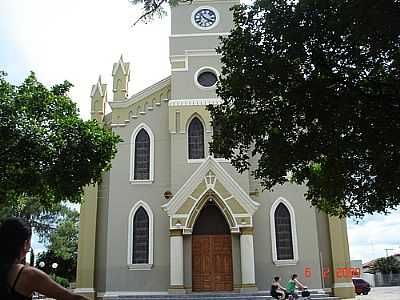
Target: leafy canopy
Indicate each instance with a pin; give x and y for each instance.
(387, 265)
(42, 218)
(311, 89)
(47, 151)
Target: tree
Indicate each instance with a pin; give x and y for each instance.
(62, 247)
(154, 8)
(66, 268)
(311, 90)
(387, 265)
(43, 219)
(47, 152)
(63, 242)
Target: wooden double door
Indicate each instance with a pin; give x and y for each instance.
(212, 262)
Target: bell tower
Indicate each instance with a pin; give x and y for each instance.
(195, 29)
(195, 67)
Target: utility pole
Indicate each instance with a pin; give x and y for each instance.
(387, 251)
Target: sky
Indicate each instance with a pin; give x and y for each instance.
(78, 40)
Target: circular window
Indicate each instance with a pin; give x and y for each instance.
(207, 78)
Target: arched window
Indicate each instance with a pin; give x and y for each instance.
(283, 233)
(142, 156)
(140, 249)
(141, 170)
(196, 139)
(140, 237)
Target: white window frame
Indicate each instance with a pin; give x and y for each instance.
(132, 154)
(284, 262)
(196, 160)
(205, 69)
(147, 208)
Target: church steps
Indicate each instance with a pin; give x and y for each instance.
(220, 296)
(242, 297)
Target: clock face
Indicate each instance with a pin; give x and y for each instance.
(205, 17)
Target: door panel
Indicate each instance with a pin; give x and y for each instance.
(212, 263)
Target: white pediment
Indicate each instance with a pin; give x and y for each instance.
(221, 176)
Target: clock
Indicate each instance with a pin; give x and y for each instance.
(205, 18)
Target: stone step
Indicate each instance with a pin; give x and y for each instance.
(262, 295)
(219, 298)
(218, 294)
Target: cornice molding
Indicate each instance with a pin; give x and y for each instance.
(194, 102)
(142, 94)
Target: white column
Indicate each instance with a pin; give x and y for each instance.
(176, 263)
(247, 259)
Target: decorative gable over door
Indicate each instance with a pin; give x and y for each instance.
(210, 182)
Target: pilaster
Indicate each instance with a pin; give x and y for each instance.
(247, 260)
(85, 284)
(342, 284)
(176, 262)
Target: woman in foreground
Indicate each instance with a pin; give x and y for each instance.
(19, 281)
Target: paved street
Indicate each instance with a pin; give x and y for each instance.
(382, 293)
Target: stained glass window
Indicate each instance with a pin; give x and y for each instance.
(283, 233)
(196, 139)
(142, 156)
(140, 237)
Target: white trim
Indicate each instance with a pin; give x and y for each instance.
(202, 52)
(205, 69)
(172, 206)
(194, 102)
(141, 267)
(343, 285)
(199, 34)
(179, 58)
(84, 290)
(195, 160)
(285, 262)
(118, 125)
(195, 11)
(132, 213)
(115, 294)
(132, 154)
(142, 94)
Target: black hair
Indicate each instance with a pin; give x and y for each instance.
(13, 234)
(276, 278)
(294, 276)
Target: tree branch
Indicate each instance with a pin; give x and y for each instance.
(155, 7)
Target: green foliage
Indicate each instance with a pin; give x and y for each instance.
(47, 151)
(62, 247)
(43, 219)
(63, 242)
(154, 8)
(312, 89)
(387, 265)
(62, 281)
(65, 268)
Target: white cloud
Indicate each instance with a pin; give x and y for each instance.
(371, 236)
(78, 40)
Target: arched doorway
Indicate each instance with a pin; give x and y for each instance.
(211, 251)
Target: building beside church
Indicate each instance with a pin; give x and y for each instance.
(169, 217)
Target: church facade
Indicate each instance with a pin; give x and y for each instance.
(171, 218)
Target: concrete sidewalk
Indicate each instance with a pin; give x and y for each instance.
(382, 293)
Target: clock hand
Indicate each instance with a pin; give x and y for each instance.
(204, 17)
